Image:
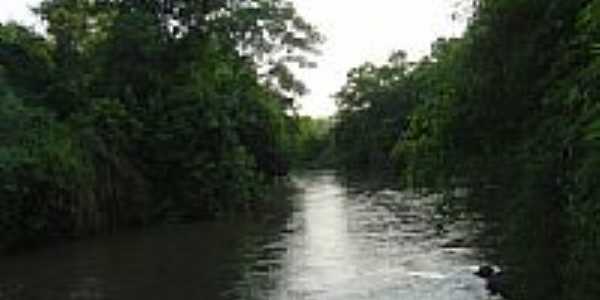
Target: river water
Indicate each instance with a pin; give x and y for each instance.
(342, 241)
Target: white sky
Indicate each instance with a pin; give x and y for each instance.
(357, 31)
(18, 10)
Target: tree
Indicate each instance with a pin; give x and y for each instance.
(164, 110)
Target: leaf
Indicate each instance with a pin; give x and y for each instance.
(593, 131)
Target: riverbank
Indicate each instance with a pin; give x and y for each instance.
(340, 241)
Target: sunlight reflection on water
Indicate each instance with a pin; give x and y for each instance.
(341, 242)
(344, 244)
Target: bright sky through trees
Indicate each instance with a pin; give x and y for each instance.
(360, 31)
(356, 31)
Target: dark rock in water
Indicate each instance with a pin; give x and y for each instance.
(496, 282)
(485, 271)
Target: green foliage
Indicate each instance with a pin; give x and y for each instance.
(42, 168)
(373, 111)
(312, 147)
(130, 112)
(511, 116)
(25, 58)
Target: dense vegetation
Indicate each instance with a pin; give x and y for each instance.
(511, 112)
(373, 109)
(134, 112)
(311, 143)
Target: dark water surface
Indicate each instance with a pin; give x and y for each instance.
(341, 242)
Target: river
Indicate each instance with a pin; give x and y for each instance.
(341, 241)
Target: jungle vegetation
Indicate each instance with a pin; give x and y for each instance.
(312, 147)
(509, 112)
(134, 112)
(127, 113)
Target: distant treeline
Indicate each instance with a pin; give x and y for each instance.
(134, 112)
(511, 112)
(312, 144)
